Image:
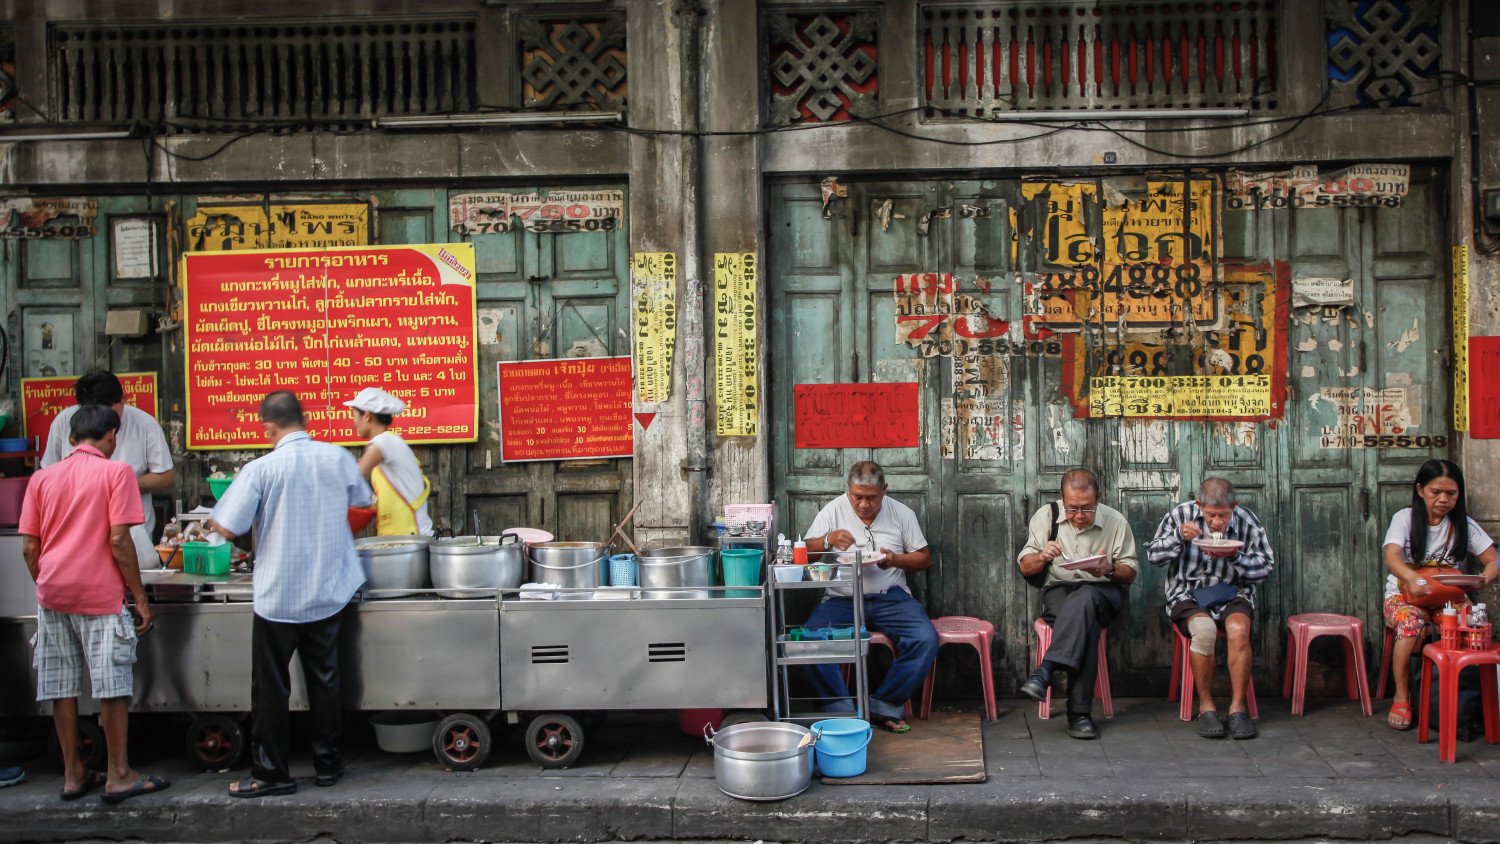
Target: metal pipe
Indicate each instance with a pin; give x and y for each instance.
(1118, 114)
(700, 268)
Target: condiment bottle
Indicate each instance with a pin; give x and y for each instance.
(783, 551)
(1450, 615)
(799, 552)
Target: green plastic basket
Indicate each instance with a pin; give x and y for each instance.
(202, 558)
(218, 485)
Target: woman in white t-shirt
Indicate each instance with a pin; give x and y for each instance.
(1437, 505)
(401, 489)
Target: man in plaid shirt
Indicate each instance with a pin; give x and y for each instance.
(1211, 588)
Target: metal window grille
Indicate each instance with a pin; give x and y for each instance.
(987, 58)
(320, 71)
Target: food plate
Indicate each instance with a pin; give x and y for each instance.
(1083, 562)
(1462, 581)
(530, 536)
(869, 559)
(1219, 544)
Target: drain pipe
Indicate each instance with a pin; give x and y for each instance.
(689, 19)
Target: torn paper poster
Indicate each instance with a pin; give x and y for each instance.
(1322, 292)
(1370, 185)
(1369, 417)
(832, 190)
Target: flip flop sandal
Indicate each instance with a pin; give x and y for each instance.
(147, 784)
(890, 725)
(1241, 727)
(93, 780)
(1209, 725)
(251, 787)
(1400, 710)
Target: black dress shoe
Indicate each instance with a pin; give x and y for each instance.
(1082, 726)
(1035, 688)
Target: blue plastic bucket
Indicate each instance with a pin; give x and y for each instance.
(622, 570)
(841, 746)
(741, 568)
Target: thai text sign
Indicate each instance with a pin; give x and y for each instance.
(654, 276)
(856, 415)
(325, 324)
(43, 398)
(568, 409)
(736, 386)
(545, 212)
(69, 218)
(1376, 185)
(228, 226)
(1484, 391)
(1460, 335)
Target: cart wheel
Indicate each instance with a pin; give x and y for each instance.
(215, 742)
(461, 742)
(90, 745)
(554, 740)
(743, 716)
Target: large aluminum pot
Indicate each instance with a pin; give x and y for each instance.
(762, 761)
(676, 572)
(576, 565)
(394, 565)
(475, 566)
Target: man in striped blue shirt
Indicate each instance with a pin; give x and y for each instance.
(297, 499)
(1209, 588)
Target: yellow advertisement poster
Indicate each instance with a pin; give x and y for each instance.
(653, 276)
(1460, 338)
(736, 387)
(229, 226)
(1065, 240)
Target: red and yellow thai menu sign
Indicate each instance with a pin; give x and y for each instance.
(326, 323)
(565, 409)
(42, 399)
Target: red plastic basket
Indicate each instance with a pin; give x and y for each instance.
(1466, 638)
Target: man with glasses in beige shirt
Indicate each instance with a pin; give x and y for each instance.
(1077, 602)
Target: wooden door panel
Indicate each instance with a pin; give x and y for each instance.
(1325, 529)
(897, 249)
(1144, 636)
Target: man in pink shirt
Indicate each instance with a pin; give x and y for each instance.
(75, 524)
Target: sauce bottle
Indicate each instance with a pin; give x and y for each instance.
(1450, 616)
(799, 552)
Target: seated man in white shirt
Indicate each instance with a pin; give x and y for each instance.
(864, 519)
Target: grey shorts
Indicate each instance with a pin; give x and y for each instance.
(68, 646)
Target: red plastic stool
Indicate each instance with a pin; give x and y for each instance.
(1385, 662)
(1305, 627)
(964, 630)
(1101, 680)
(1182, 679)
(1450, 662)
(878, 639)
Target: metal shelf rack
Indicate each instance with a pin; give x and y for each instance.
(778, 624)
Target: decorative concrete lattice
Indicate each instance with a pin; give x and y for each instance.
(824, 68)
(578, 61)
(1382, 53)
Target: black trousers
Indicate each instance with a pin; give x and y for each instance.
(1077, 612)
(272, 644)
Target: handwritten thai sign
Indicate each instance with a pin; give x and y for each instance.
(1484, 394)
(736, 385)
(547, 212)
(1373, 417)
(325, 324)
(1370, 185)
(568, 409)
(856, 415)
(1461, 403)
(42, 399)
(305, 224)
(67, 218)
(654, 276)
(1237, 372)
(1322, 292)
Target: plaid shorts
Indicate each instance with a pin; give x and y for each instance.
(68, 644)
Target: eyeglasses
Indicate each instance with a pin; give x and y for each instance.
(1079, 511)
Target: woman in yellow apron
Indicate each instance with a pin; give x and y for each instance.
(401, 490)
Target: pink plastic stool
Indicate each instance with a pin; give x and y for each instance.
(881, 640)
(1182, 679)
(1450, 663)
(1385, 662)
(1101, 680)
(964, 630)
(1305, 627)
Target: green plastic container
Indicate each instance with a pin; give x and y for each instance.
(218, 485)
(741, 568)
(202, 558)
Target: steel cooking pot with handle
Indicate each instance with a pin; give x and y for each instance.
(766, 760)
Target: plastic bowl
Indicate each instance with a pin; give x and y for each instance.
(403, 732)
(789, 574)
(218, 485)
(14, 444)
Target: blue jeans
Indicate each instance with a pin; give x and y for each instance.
(896, 614)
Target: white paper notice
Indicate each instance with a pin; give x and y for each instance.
(135, 248)
(1322, 292)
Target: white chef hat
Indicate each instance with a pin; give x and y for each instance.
(376, 400)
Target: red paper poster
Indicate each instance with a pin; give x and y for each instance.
(1484, 388)
(326, 323)
(856, 415)
(43, 398)
(569, 409)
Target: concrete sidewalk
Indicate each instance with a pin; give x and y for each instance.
(1331, 774)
